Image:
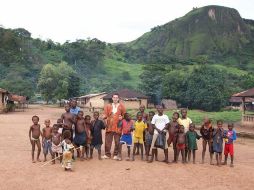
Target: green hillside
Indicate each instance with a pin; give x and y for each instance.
(215, 33)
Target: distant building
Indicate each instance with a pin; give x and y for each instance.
(169, 104)
(131, 99)
(3, 99)
(91, 100)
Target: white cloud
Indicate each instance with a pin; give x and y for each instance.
(107, 20)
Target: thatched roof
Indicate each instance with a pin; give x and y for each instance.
(126, 94)
(239, 100)
(3, 90)
(17, 98)
(246, 93)
(92, 95)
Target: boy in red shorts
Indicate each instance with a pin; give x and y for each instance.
(229, 146)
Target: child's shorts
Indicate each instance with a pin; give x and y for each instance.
(180, 146)
(138, 140)
(97, 146)
(47, 147)
(126, 139)
(229, 149)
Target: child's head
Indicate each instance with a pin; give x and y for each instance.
(207, 121)
(151, 114)
(181, 129)
(67, 108)
(230, 126)
(175, 116)
(159, 109)
(55, 128)
(73, 103)
(67, 134)
(120, 117)
(142, 108)
(35, 119)
(192, 127)
(80, 114)
(96, 115)
(127, 116)
(87, 119)
(59, 121)
(219, 123)
(139, 116)
(184, 113)
(47, 122)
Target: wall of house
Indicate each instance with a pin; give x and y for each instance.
(131, 104)
(96, 102)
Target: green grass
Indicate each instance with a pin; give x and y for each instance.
(115, 69)
(197, 116)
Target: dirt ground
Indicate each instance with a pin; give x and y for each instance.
(18, 172)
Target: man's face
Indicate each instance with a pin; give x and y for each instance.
(115, 98)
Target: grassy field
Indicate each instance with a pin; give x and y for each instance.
(198, 116)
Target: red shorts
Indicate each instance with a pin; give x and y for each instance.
(180, 146)
(229, 149)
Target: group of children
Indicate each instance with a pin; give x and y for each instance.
(76, 132)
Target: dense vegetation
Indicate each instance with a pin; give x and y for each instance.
(199, 60)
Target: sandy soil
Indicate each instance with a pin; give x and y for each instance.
(18, 172)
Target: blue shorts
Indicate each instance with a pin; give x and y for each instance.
(80, 139)
(126, 139)
(47, 146)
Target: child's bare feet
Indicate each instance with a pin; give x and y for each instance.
(33, 161)
(127, 159)
(231, 165)
(44, 160)
(38, 160)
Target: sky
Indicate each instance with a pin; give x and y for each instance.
(107, 20)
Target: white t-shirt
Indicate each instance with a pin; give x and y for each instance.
(160, 122)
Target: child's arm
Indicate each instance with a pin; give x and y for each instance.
(30, 133)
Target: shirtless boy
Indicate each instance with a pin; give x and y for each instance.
(181, 143)
(68, 120)
(80, 135)
(34, 136)
(46, 139)
(56, 143)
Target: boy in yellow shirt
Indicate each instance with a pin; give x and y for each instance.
(138, 139)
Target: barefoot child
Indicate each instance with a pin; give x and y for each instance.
(80, 135)
(56, 143)
(172, 130)
(181, 143)
(206, 131)
(46, 139)
(229, 146)
(88, 135)
(68, 119)
(96, 128)
(126, 138)
(138, 139)
(192, 143)
(149, 135)
(67, 151)
(34, 136)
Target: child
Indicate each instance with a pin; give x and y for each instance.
(139, 128)
(34, 136)
(46, 139)
(67, 151)
(192, 143)
(97, 126)
(206, 131)
(159, 122)
(229, 146)
(218, 135)
(149, 136)
(80, 135)
(126, 138)
(56, 143)
(88, 135)
(181, 143)
(68, 119)
(172, 130)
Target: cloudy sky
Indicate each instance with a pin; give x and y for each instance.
(108, 20)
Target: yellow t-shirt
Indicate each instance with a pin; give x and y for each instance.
(185, 122)
(139, 129)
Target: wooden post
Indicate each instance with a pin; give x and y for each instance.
(243, 105)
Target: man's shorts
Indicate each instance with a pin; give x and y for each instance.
(229, 149)
(126, 139)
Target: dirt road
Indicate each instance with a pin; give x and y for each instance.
(18, 172)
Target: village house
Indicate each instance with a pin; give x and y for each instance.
(131, 99)
(3, 99)
(91, 100)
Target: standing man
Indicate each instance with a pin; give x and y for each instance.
(111, 115)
